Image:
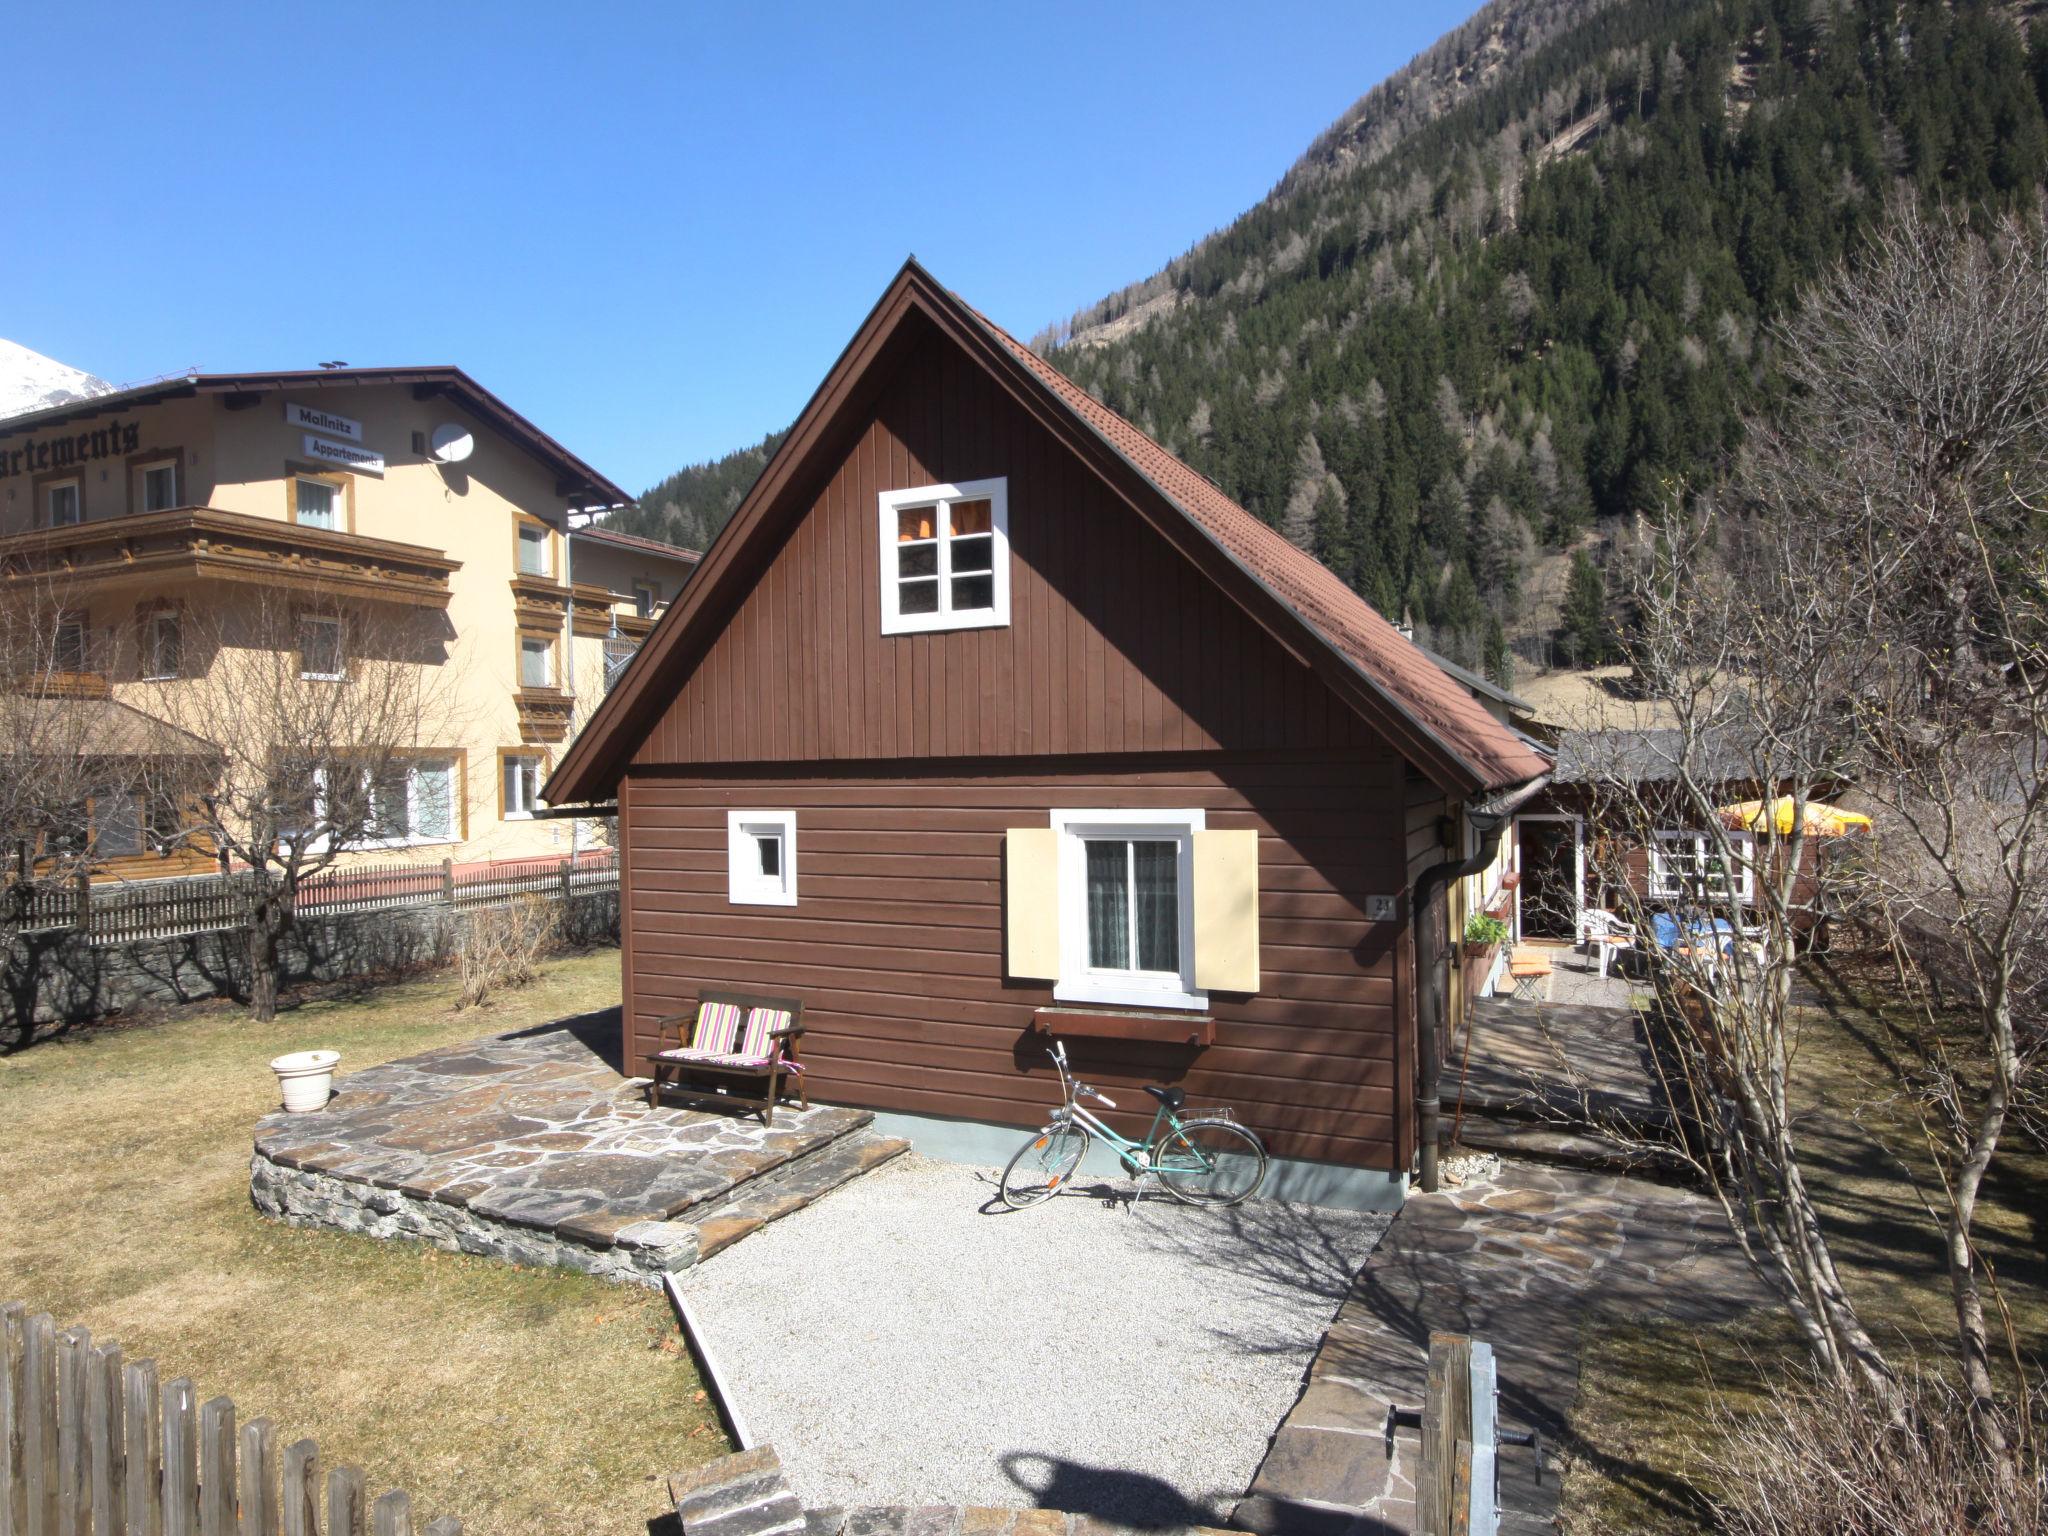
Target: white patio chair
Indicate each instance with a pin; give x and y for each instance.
(1605, 933)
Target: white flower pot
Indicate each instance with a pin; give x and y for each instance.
(306, 1077)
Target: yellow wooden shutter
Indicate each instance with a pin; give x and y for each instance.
(1227, 911)
(1031, 903)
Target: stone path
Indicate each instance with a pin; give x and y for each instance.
(532, 1146)
(1523, 1263)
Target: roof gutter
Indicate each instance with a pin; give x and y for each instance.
(1490, 818)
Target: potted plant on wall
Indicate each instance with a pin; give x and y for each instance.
(1484, 935)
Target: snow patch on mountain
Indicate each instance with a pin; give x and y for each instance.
(30, 381)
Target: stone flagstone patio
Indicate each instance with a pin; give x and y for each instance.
(533, 1147)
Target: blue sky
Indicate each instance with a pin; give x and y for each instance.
(650, 228)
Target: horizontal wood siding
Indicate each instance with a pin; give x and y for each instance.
(1115, 643)
(895, 943)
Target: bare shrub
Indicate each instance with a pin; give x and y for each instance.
(500, 948)
(1823, 1459)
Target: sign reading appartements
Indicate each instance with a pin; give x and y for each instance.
(313, 419)
(359, 459)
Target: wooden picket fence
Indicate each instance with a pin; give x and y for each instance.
(173, 908)
(90, 1445)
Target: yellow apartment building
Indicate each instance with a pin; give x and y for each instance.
(413, 494)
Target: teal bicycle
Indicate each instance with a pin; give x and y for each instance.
(1207, 1158)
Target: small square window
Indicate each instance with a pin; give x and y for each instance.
(1126, 907)
(533, 549)
(160, 486)
(318, 503)
(163, 647)
(61, 504)
(761, 858)
(320, 648)
(536, 663)
(116, 825)
(945, 557)
(521, 786)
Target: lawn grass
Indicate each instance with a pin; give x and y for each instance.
(519, 1400)
(1646, 1390)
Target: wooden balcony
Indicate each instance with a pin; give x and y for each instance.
(542, 603)
(544, 714)
(149, 550)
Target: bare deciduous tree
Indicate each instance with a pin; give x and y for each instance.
(324, 712)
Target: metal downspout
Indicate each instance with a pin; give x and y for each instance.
(1491, 818)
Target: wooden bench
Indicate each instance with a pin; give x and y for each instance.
(742, 1035)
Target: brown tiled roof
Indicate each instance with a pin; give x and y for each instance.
(1351, 625)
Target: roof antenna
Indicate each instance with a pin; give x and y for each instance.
(337, 363)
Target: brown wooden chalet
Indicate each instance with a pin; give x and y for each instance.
(986, 717)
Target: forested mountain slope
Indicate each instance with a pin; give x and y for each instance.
(1524, 284)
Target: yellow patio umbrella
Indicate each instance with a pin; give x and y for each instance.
(1821, 820)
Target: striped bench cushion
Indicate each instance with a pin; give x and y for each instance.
(714, 1059)
(718, 1029)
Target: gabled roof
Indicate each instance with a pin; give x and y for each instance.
(574, 480)
(1432, 720)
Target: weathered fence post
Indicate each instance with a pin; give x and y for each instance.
(13, 1491)
(261, 1514)
(302, 1489)
(39, 1424)
(1443, 1483)
(217, 1468)
(393, 1514)
(448, 881)
(345, 1486)
(104, 1421)
(74, 1471)
(145, 1450)
(181, 1459)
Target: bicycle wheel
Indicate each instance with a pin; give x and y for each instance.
(1210, 1162)
(1043, 1166)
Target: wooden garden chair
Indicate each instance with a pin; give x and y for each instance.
(741, 1035)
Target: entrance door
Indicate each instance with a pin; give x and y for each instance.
(1547, 901)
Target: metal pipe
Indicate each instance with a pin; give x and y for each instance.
(1491, 818)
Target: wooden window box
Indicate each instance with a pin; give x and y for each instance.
(1106, 1024)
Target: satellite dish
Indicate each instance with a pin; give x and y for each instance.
(450, 444)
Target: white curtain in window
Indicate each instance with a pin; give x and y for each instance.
(1155, 879)
(1109, 909)
(433, 799)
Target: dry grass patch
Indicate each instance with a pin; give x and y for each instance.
(1648, 1392)
(520, 1400)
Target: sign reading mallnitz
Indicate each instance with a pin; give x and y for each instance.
(37, 456)
(313, 419)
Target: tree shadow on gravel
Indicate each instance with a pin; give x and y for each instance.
(1135, 1499)
(1285, 1254)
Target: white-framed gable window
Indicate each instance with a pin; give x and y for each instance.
(945, 557)
(760, 851)
(1127, 912)
(1689, 866)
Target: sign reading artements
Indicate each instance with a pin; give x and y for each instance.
(340, 453)
(313, 419)
(39, 455)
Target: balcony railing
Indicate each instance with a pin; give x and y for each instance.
(146, 549)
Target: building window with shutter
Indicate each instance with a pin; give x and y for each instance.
(533, 549)
(519, 785)
(760, 851)
(536, 662)
(1126, 908)
(945, 557)
(1132, 908)
(62, 506)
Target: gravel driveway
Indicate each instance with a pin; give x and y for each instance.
(908, 1341)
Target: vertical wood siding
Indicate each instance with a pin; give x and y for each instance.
(1116, 644)
(895, 942)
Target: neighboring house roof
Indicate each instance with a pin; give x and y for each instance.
(1485, 687)
(634, 541)
(1724, 754)
(574, 479)
(108, 728)
(1427, 715)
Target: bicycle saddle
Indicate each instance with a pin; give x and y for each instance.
(1172, 1098)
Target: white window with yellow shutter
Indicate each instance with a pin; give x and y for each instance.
(1133, 908)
